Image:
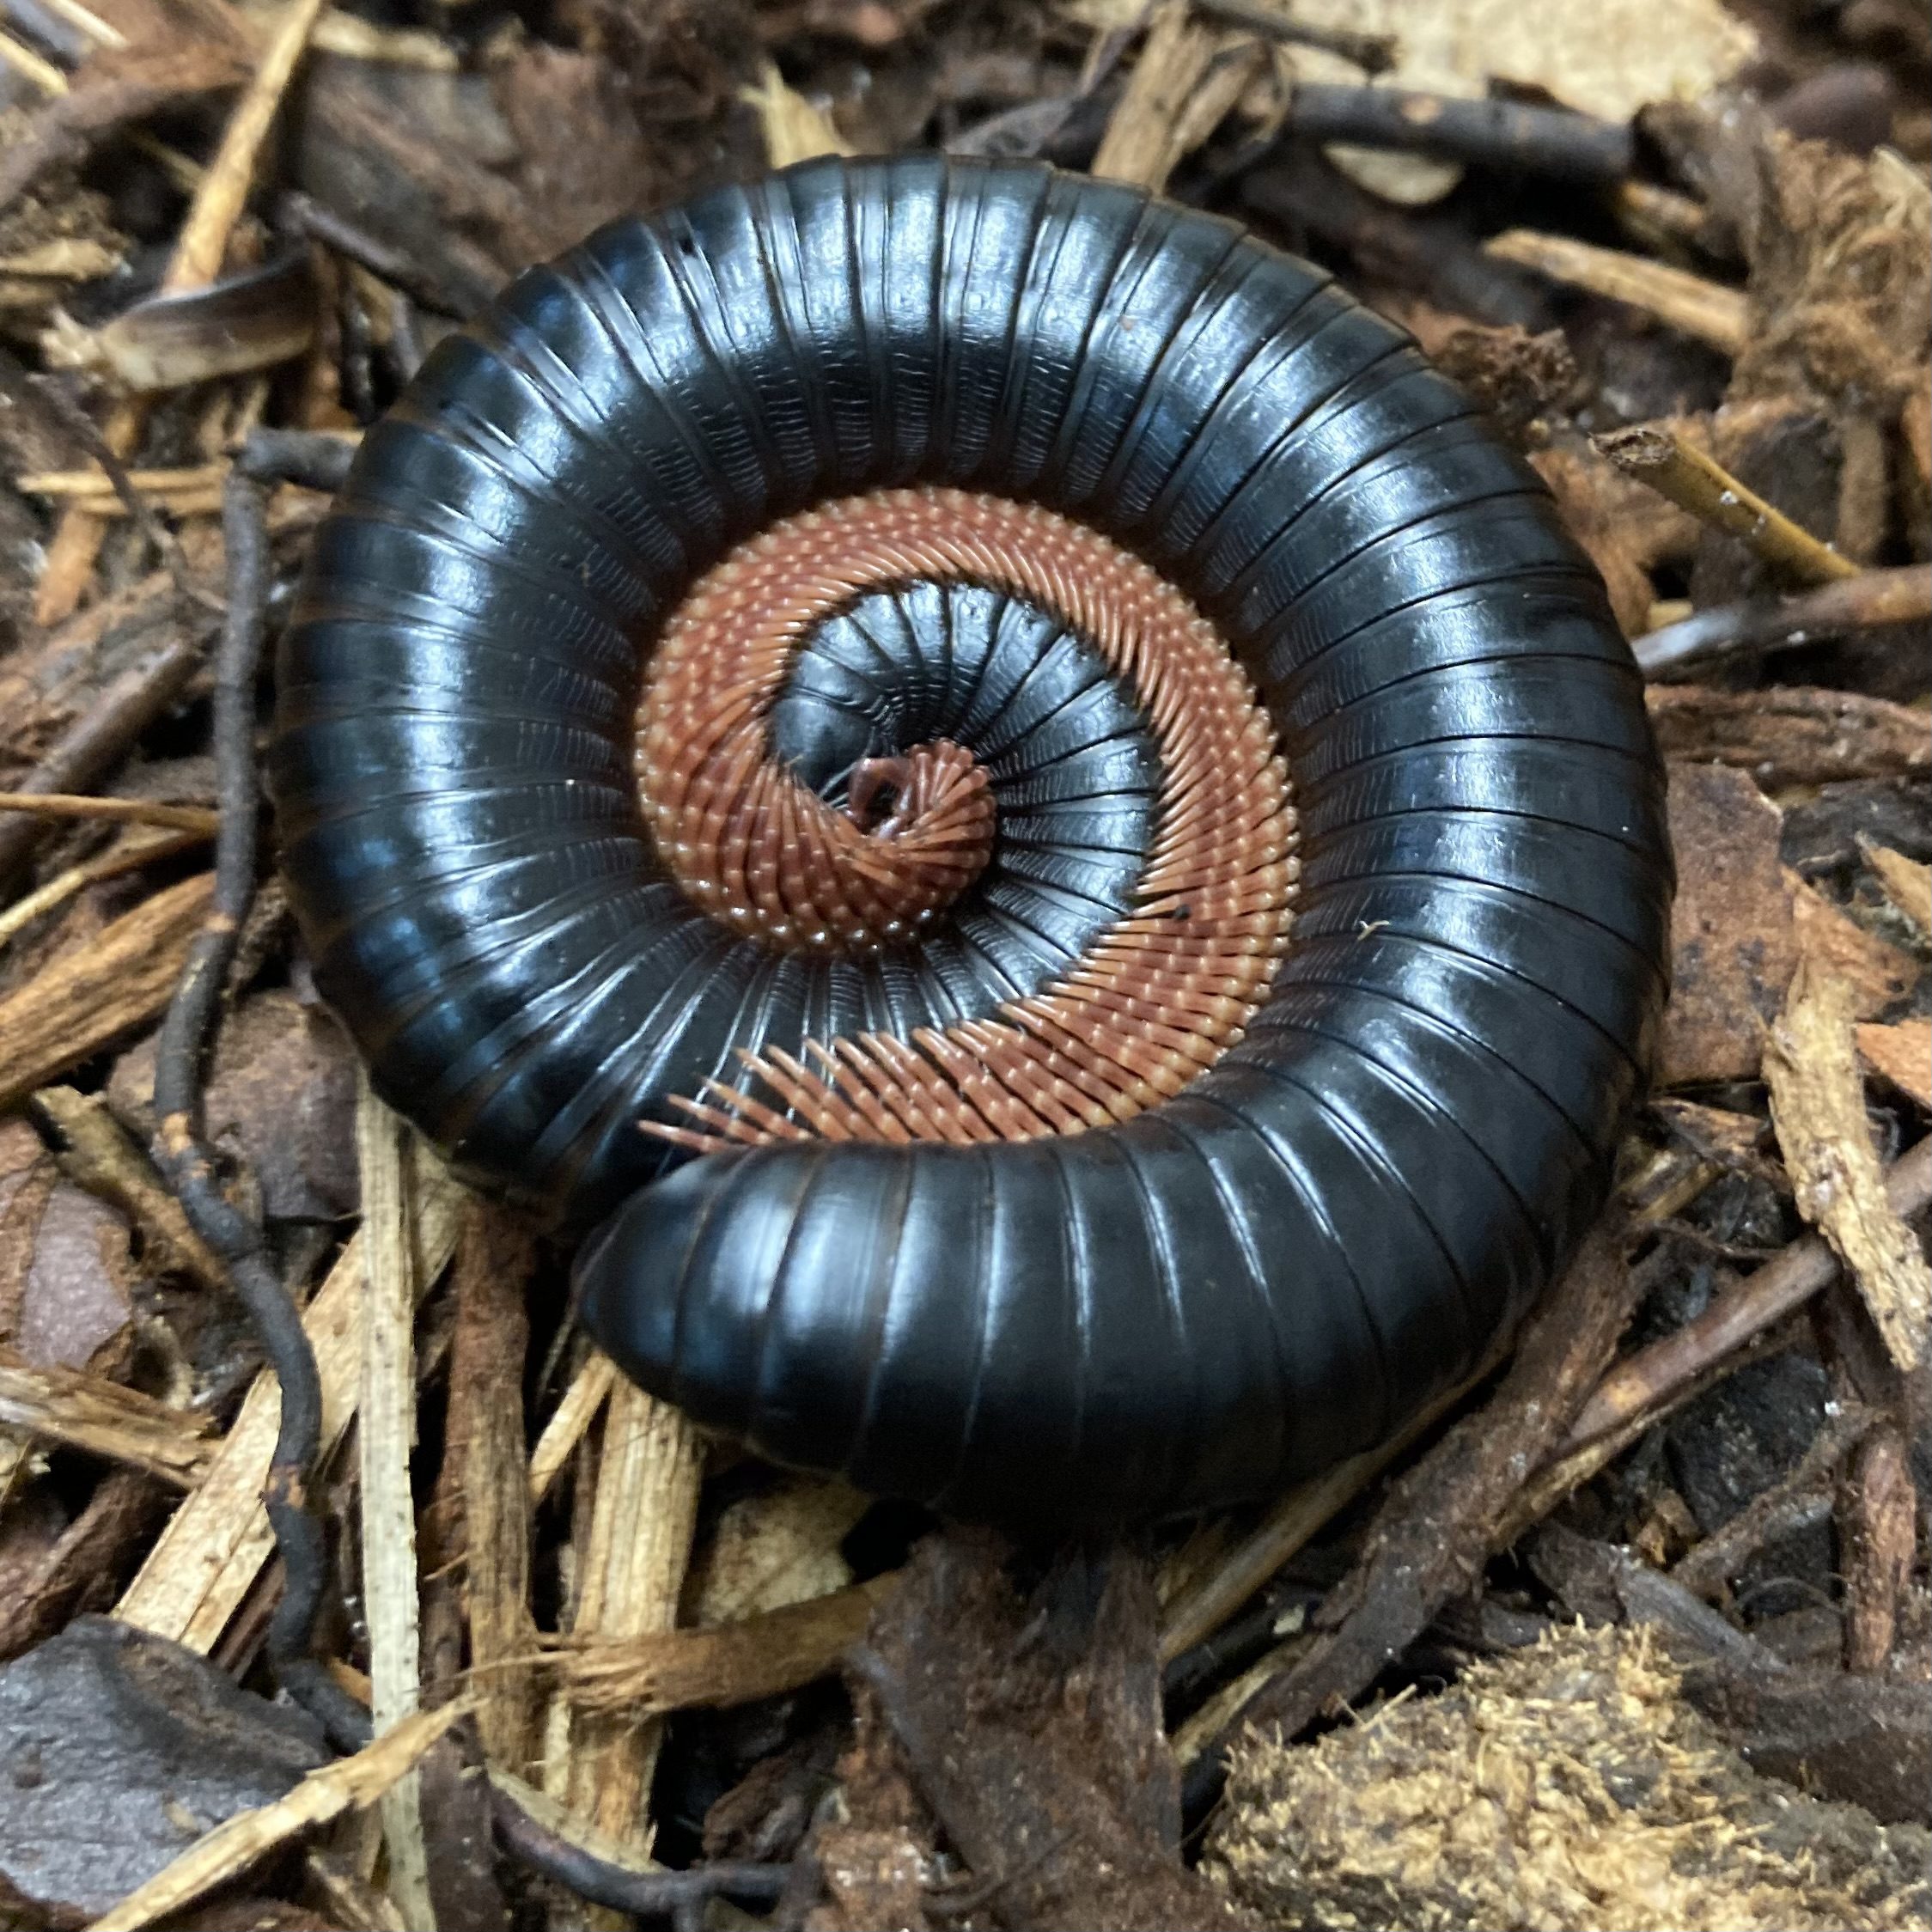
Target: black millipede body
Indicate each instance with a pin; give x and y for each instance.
(1281, 1257)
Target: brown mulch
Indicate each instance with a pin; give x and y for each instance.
(1637, 1631)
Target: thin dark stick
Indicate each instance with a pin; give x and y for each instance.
(1872, 600)
(307, 457)
(1300, 190)
(166, 545)
(115, 717)
(1373, 53)
(416, 278)
(183, 1156)
(1554, 143)
(647, 1894)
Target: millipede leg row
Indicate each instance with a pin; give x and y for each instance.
(1012, 803)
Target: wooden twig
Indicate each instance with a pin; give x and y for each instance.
(1700, 485)
(1796, 1500)
(1867, 601)
(1504, 135)
(104, 1419)
(1187, 79)
(1200, 1610)
(32, 66)
(1440, 1522)
(386, 1436)
(215, 1547)
(122, 811)
(726, 1664)
(99, 1156)
(85, 1000)
(195, 261)
(1817, 1107)
(1706, 310)
(244, 1839)
(127, 854)
(111, 720)
(624, 1892)
(1301, 190)
(1637, 1387)
(1373, 53)
(180, 1148)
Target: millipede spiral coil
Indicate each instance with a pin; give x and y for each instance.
(1019, 796)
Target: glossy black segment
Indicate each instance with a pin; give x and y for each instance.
(1230, 1292)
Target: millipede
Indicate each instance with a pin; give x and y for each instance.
(1007, 808)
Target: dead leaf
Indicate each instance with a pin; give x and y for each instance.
(1902, 1054)
(1817, 1106)
(1733, 945)
(281, 1092)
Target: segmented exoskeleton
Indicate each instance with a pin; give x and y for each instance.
(1136, 764)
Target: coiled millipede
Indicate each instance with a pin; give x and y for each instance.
(861, 664)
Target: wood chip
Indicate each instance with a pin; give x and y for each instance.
(1872, 971)
(776, 1548)
(632, 1569)
(726, 1664)
(793, 129)
(1902, 1054)
(101, 1418)
(1706, 310)
(207, 1559)
(1817, 1106)
(573, 1415)
(1906, 884)
(86, 999)
(1187, 78)
(393, 1286)
(231, 1848)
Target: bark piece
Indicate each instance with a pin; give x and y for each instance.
(1791, 735)
(84, 1000)
(1872, 971)
(1734, 944)
(103, 1723)
(1902, 1054)
(1818, 1105)
(1030, 1733)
